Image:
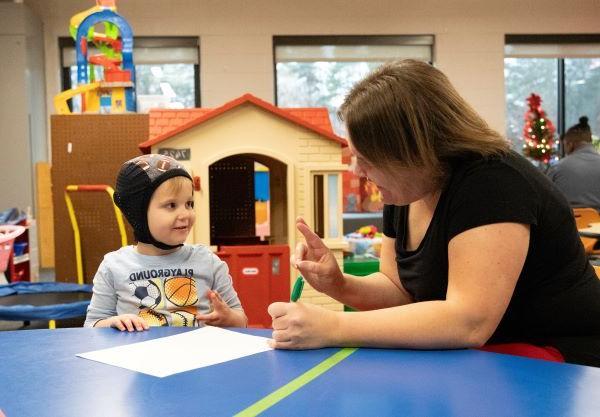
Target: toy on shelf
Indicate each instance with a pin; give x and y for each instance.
(365, 241)
(8, 234)
(114, 90)
(372, 200)
(368, 231)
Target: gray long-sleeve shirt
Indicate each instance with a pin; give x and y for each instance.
(165, 290)
(577, 176)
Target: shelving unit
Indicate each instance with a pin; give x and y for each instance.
(353, 221)
(19, 267)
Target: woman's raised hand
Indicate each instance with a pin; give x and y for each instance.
(315, 261)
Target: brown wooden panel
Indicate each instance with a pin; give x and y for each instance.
(99, 145)
(44, 215)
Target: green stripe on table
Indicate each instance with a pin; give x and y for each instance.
(289, 388)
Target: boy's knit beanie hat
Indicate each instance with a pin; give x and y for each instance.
(136, 182)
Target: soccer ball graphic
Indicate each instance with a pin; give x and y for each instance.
(148, 292)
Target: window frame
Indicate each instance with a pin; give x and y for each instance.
(325, 209)
(346, 40)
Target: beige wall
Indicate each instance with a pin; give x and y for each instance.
(236, 35)
(22, 107)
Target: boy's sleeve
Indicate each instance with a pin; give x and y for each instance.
(104, 297)
(222, 283)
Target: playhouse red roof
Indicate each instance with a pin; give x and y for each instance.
(166, 123)
(165, 120)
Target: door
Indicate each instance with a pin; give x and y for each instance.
(232, 213)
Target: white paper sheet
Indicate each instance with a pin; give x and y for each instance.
(182, 352)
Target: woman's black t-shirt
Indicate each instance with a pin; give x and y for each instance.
(557, 297)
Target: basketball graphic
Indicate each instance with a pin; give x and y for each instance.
(181, 291)
(153, 318)
(147, 292)
(185, 317)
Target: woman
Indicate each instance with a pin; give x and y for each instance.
(478, 246)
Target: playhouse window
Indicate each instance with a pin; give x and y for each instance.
(167, 72)
(326, 208)
(318, 71)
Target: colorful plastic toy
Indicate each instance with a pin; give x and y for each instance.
(8, 234)
(115, 91)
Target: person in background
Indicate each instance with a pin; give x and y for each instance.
(479, 248)
(577, 175)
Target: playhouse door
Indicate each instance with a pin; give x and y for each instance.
(232, 213)
(261, 276)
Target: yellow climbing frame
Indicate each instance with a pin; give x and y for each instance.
(76, 235)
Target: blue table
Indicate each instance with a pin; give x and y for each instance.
(42, 377)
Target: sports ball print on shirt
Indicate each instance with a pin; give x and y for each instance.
(170, 301)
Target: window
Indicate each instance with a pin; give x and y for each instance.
(523, 76)
(582, 91)
(167, 72)
(326, 189)
(318, 71)
(563, 69)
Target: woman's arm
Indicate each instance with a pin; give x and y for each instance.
(378, 290)
(319, 267)
(484, 266)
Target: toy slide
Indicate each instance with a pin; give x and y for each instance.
(109, 46)
(104, 61)
(60, 100)
(79, 17)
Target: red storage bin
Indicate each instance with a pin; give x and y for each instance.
(261, 275)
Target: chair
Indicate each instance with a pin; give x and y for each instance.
(583, 217)
(588, 244)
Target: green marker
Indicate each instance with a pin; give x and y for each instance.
(297, 290)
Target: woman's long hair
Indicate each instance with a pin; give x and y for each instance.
(406, 113)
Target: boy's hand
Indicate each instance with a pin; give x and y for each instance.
(221, 314)
(129, 322)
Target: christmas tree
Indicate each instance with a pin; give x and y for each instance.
(538, 132)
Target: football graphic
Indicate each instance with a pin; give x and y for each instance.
(153, 318)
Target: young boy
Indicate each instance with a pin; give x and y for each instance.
(158, 281)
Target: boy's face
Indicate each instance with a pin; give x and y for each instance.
(171, 211)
